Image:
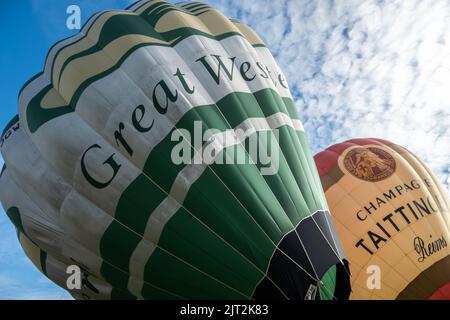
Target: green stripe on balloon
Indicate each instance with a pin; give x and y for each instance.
(13, 214)
(43, 261)
(328, 285)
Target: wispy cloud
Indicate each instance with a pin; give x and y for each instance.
(363, 68)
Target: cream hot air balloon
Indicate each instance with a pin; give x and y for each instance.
(93, 179)
(392, 216)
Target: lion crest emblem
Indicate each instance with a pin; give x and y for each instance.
(369, 163)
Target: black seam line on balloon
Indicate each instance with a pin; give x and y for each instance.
(167, 7)
(198, 10)
(274, 195)
(226, 242)
(193, 5)
(53, 230)
(268, 82)
(140, 89)
(188, 3)
(159, 9)
(290, 170)
(296, 137)
(316, 180)
(276, 248)
(246, 210)
(313, 172)
(237, 199)
(293, 203)
(43, 261)
(220, 237)
(178, 258)
(316, 200)
(83, 246)
(190, 6)
(315, 222)
(262, 229)
(287, 192)
(165, 290)
(149, 3)
(216, 234)
(373, 223)
(3, 169)
(197, 7)
(185, 209)
(130, 7)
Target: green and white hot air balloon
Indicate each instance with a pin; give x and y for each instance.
(105, 171)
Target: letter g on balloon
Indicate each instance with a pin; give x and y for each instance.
(110, 161)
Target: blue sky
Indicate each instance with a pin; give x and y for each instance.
(361, 68)
(29, 33)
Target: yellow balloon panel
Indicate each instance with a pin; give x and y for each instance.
(392, 216)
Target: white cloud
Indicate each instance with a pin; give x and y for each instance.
(363, 69)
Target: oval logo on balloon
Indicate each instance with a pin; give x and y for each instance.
(370, 163)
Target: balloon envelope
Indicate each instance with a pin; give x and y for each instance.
(392, 216)
(103, 171)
